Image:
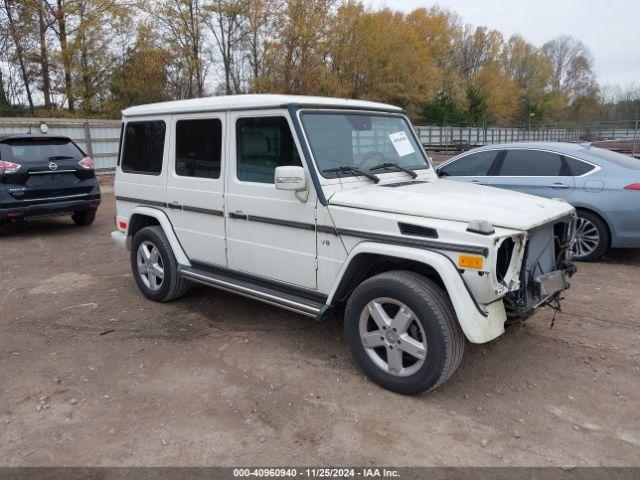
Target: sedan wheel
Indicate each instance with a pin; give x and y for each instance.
(587, 238)
(150, 265)
(592, 237)
(393, 336)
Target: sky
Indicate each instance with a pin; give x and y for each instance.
(611, 29)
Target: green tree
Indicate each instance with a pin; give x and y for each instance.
(142, 77)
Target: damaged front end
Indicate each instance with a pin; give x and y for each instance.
(546, 268)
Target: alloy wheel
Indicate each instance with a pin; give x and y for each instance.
(393, 336)
(150, 265)
(587, 238)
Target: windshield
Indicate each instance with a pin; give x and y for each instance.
(360, 140)
(31, 150)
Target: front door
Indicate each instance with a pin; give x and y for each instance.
(270, 233)
(472, 168)
(195, 186)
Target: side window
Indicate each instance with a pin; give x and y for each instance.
(143, 147)
(262, 144)
(474, 165)
(531, 163)
(198, 147)
(578, 167)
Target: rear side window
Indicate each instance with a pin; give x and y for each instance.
(264, 143)
(474, 165)
(531, 163)
(578, 167)
(143, 147)
(31, 150)
(198, 147)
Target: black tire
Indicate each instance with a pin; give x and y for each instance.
(444, 338)
(172, 286)
(84, 218)
(604, 237)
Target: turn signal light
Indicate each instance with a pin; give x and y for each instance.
(633, 186)
(122, 225)
(9, 167)
(469, 261)
(86, 163)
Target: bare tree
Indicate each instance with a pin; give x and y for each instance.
(11, 21)
(226, 19)
(572, 64)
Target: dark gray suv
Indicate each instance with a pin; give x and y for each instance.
(42, 175)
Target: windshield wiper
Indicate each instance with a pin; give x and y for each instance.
(355, 170)
(388, 165)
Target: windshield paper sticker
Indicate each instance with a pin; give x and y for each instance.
(401, 143)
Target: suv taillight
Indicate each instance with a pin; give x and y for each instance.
(9, 167)
(86, 163)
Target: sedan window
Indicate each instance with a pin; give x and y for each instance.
(531, 163)
(578, 167)
(473, 165)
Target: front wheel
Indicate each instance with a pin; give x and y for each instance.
(154, 266)
(403, 332)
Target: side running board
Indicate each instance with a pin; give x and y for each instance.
(248, 286)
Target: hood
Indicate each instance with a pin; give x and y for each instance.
(457, 201)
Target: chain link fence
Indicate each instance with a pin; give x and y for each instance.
(620, 136)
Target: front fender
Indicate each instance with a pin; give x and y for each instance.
(167, 228)
(480, 323)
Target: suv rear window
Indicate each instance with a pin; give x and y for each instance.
(198, 147)
(143, 147)
(31, 150)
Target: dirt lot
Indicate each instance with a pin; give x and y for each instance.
(215, 379)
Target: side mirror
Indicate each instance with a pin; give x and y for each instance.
(290, 178)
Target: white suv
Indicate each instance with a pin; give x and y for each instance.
(320, 204)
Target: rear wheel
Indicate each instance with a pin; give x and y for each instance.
(403, 332)
(154, 266)
(592, 237)
(84, 217)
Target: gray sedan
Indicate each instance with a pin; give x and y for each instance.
(604, 186)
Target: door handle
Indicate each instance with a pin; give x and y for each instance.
(477, 182)
(559, 185)
(238, 215)
(175, 205)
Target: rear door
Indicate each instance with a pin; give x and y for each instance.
(471, 168)
(45, 168)
(195, 186)
(536, 172)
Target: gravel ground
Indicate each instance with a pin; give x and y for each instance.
(91, 373)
